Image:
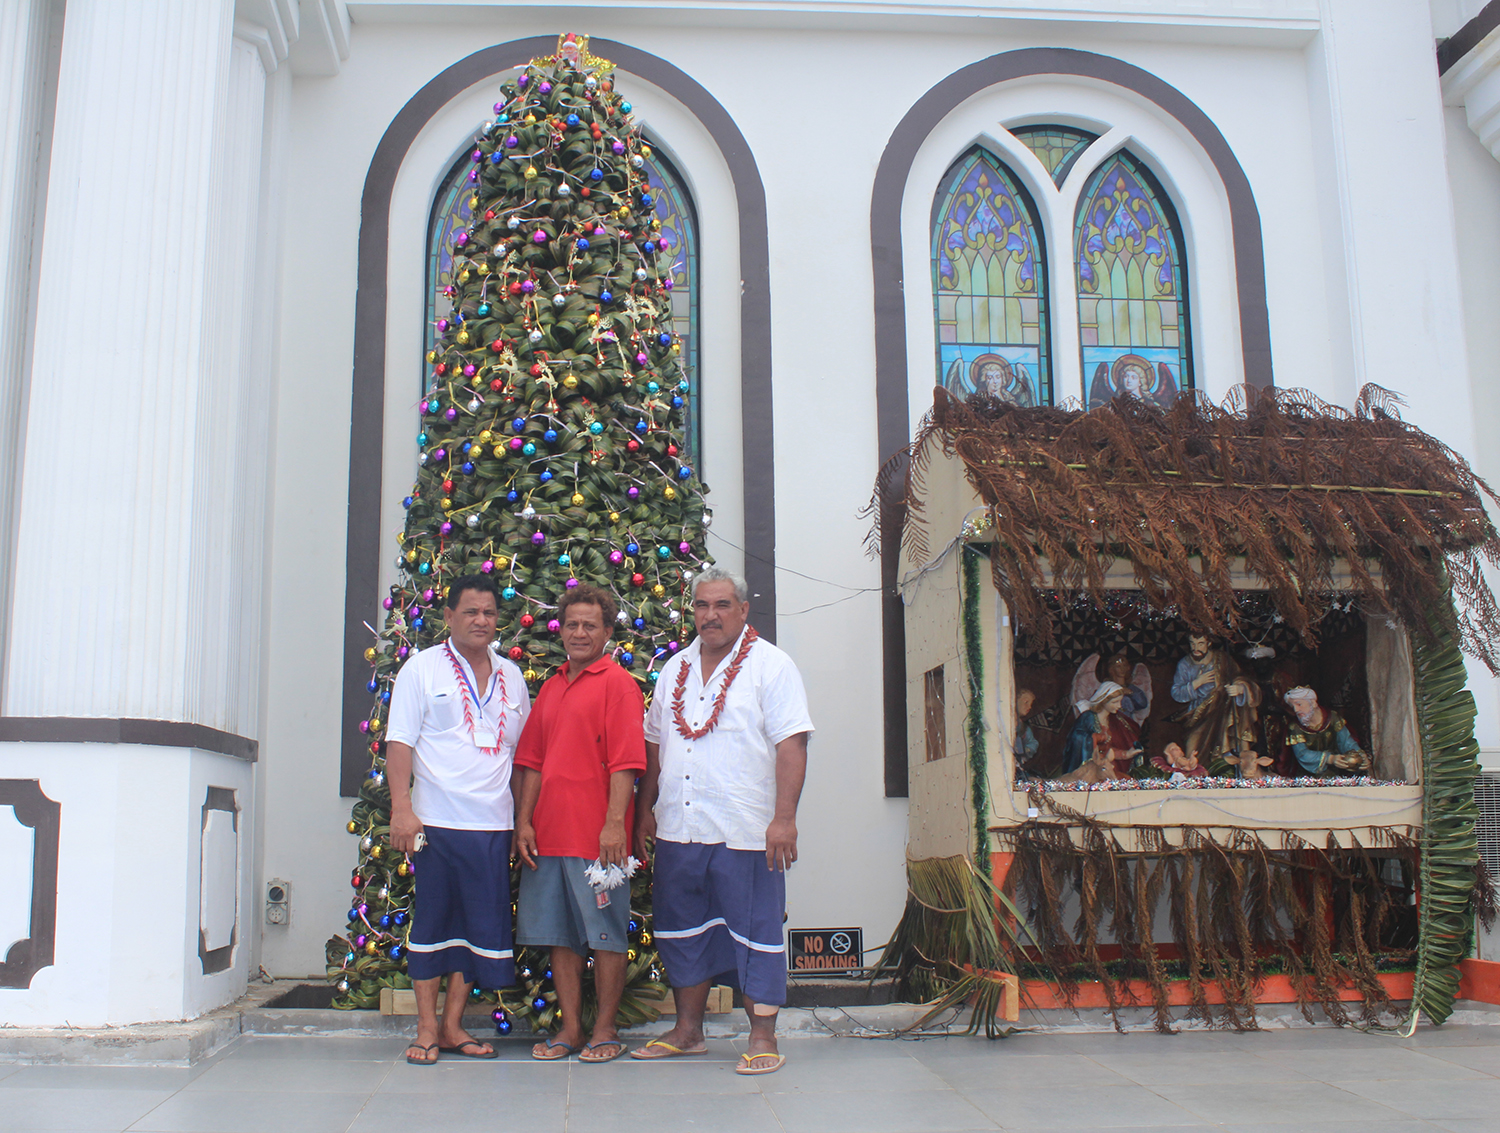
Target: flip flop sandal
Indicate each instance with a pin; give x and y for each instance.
(459, 1051)
(423, 1061)
(605, 1058)
(746, 1059)
(549, 1057)
(643, 1053)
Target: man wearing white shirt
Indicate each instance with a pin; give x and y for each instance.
(456, 713)
(726, 753)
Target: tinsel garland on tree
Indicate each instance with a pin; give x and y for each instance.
(552, 453)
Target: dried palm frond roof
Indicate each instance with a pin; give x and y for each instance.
(1278, 477)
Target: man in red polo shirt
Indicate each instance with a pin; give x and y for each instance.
(576, 766)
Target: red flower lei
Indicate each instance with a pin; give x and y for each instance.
(681, 684)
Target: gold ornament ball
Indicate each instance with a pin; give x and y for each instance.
(577, 499)
(474, 201)
(570, 382)
(376, 852)
(371, 654)
(659, 590)
(630, 954)
(670, 492)
(614, 517)
(463, 335)
(502, 562)
(531, 173)
(432, 356)
(351, 827)
(594, 319)
(463, 277)
(401, 870)
(499, 450)
(370, 948)
(375, 725)
(411, 556)
(529, 674)
(484, 436)
(447, 503)
(530, 119)
(645, 938)
(484, 269)
(676, 348)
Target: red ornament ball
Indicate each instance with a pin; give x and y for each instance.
(515, 288)
(527, 621)
(497, 384)
(633, 445)
(671, 450)
(637, 580)
(440, 368)
(516, 653)
(447, 487)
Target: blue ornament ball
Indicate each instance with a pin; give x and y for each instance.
(406, 502)
(512, 495)
(572, 119)
(545, 476)
(468, 468)
(639, 623)
(664, 339)
(354, 914)
(385, 921)
(632, 548)
(605, 297)
(549, 436)
(539, 1004)
(583, 243)
(596, 174)
(400, 918)
(677, 403)
(518, 424)
(595, 428)
(395, 951)
(684, 472)
(640, 426)
(374, 685)
(503, 1026)
(627, 658)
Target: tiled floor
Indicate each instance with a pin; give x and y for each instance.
(1308, 1081)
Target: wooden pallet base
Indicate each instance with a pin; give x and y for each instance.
(403, 1001)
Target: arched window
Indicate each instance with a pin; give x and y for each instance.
(1132, 286)
(1056, 147)
(989, 268)
(451, 212)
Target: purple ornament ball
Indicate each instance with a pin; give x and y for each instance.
(473, 175)
(389, 603)
(554, 625)
(487, 567)
(439, 454)
(684, 548)
(538, 237)
(618, 147)
(403, 652)
(634, 493)
(451, 414)
(666, 285)
(616, 557)
(469, 371)
(572, 583)
(446, 528)
(516, 443)
(538, 538)
(364, 725)
(672, 645)
(641, 359)
(545, 88)
(523, 81)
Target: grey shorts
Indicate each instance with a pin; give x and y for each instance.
(557, 906)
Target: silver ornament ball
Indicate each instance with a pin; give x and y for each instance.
(472, 521)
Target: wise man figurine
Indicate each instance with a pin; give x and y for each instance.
(1320, 740)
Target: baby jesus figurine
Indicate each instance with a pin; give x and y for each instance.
(1179, 764)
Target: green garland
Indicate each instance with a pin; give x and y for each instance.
(1450, 849)
(978, 754)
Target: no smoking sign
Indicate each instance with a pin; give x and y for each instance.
(836, 950)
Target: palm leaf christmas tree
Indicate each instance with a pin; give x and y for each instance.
(552, 452)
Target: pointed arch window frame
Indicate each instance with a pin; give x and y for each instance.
(975, 360)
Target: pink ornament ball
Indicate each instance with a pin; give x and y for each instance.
(477, 156)
(442, 324)
(487, 567)
(474, 175)
(461, 239)
(516, 443)
(538, 237)
(672, 646)
(616, 557)
(684, 548)
(389, 603)
(427, 595)
(469, 371)
(554, 625)
(364, 725)
(641, 359)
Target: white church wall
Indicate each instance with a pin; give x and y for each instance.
(817, 108)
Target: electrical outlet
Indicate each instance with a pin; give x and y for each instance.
(278, 902)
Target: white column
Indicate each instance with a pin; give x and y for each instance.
(146, 428)
(24, 115)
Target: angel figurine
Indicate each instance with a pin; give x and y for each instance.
(1135, 681)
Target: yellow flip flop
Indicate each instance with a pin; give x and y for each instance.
(671, 1051)
(745, 1066)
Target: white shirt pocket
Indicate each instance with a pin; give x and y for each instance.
(447, 707)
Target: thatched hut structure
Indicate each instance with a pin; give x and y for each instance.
(1317, 547)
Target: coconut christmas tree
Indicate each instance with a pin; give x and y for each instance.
(552, 452)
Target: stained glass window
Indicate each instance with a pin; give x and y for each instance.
(1132, 286)
(990, 285)
(451, 212)
(1056, 147)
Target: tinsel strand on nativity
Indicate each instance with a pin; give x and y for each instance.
(1288, 482)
